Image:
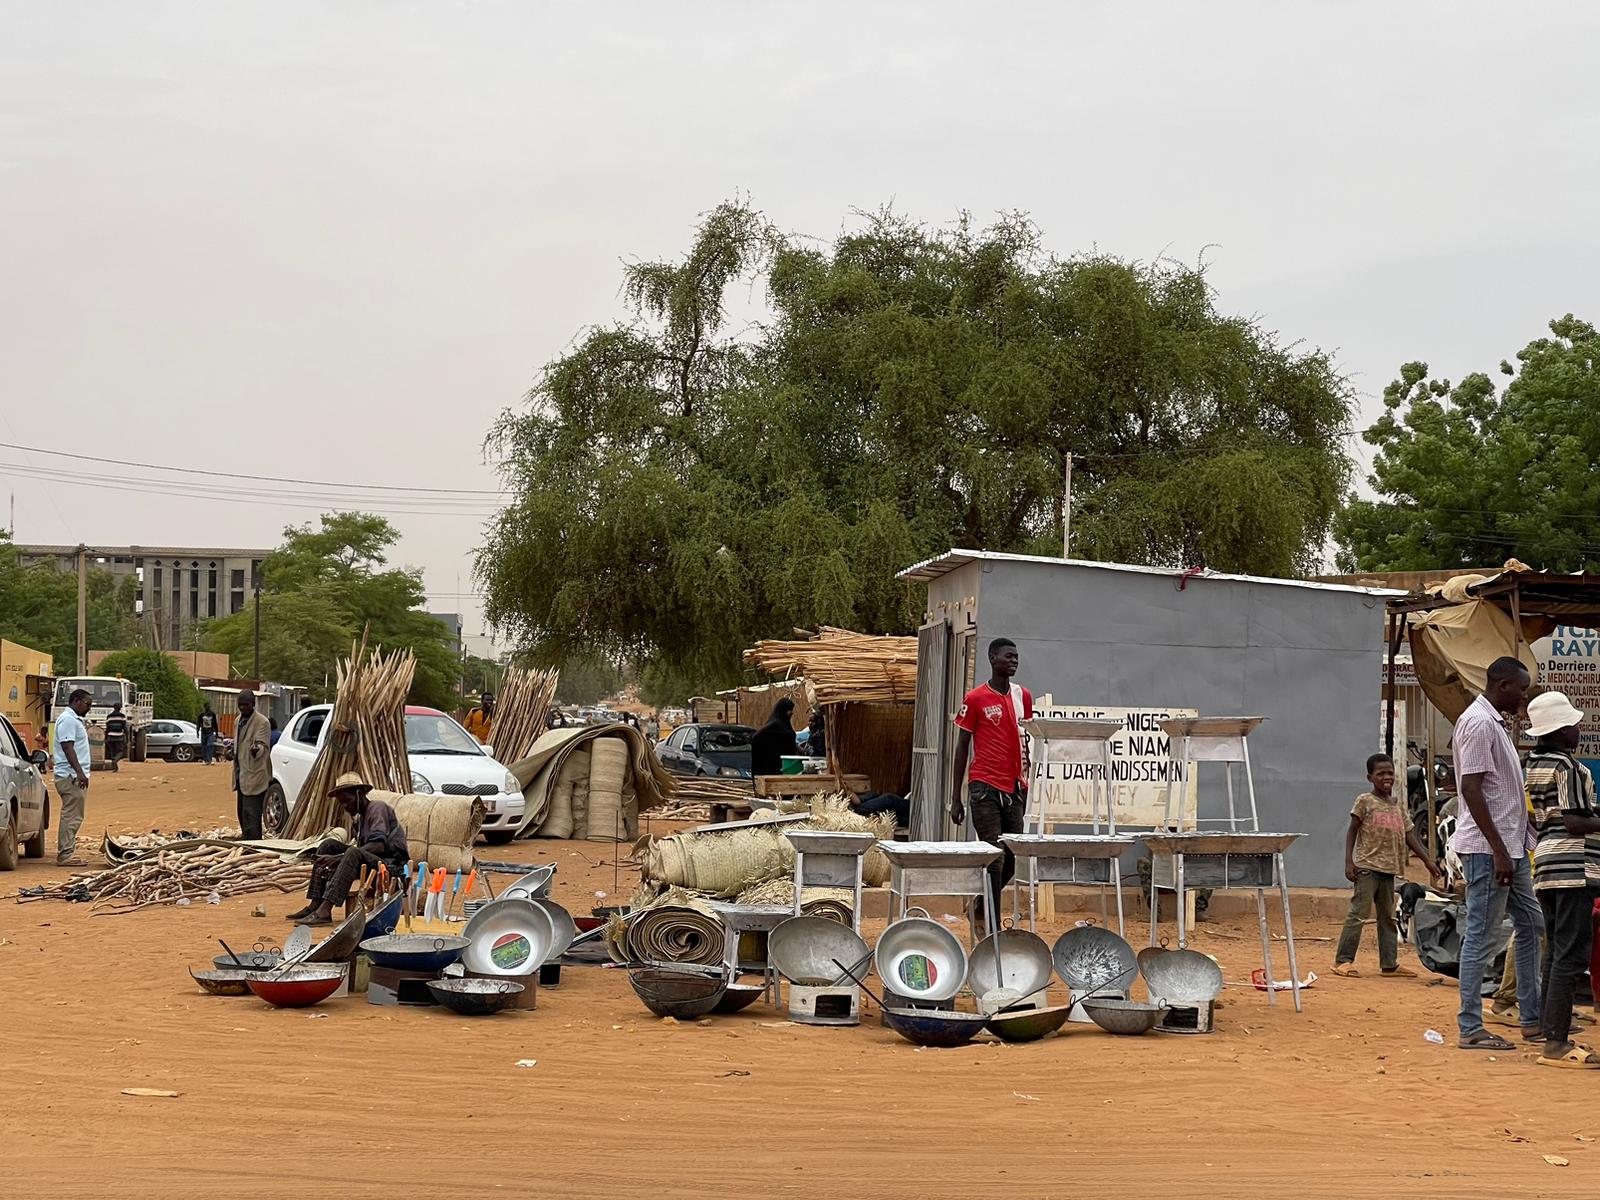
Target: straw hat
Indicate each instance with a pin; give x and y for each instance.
(349, 781)
(1550, 711)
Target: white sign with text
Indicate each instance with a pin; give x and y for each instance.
(1140, 768)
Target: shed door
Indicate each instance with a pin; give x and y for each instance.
(932, 728)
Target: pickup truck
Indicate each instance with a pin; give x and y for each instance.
(444, 758)
(24, 798)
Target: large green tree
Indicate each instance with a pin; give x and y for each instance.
(1467, 475)
(682, 483)
(39, 608)
(320, 588)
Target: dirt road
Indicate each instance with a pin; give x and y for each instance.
(1347, 1099)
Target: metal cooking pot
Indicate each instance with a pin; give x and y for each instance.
(1185, 978)
(934, 1028)
(920, 959)
(804, 949)
(534, 884)
(1025, 965)
(414, 951)
(562, 923)
(1090, 957)
(508, 937)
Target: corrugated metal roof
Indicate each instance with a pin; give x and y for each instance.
(933, 568)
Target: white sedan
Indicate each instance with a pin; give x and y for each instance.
(177, 740)
(443, 756)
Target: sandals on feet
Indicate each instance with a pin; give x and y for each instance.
(1348, 970)
(1484, 1040)
(1577, 1058)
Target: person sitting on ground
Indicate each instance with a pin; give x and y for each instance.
(377, 838)
(1374, 855)
(1566, 868)
(774, 740)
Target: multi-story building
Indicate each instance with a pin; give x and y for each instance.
(179, 586)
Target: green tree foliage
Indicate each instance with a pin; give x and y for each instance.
(39, 608)
(176, 696)
(326, 583)
(1467, 476)
(682, 484)
(587, 681)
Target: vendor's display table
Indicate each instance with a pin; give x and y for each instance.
(959, 869)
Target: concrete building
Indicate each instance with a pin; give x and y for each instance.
(1103, 634)
(178, 585)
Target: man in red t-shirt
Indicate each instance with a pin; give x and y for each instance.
(990, 724)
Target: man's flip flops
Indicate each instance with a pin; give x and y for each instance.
(1484, 1040)
(1579, 1058)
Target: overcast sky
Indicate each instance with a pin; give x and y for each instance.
(333, 240)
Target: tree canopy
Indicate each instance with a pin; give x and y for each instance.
(39, 608)
(1467, 476)
(175, 695)
(320, 588)
(682, 484)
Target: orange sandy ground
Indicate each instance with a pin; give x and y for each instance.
(1347, 1099)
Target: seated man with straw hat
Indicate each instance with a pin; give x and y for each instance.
(378, 839)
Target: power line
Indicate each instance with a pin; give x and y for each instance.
(366, 487)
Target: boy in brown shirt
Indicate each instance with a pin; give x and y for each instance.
(1374, 854)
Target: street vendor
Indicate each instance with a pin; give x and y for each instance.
(480, 721)
(377, 839)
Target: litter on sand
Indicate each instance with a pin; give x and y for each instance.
(151, 1092)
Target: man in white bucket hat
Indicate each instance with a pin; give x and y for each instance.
(1566, 868)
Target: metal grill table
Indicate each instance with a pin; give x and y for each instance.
(823, 858)
(759, 919)
(1239, 856)
(1052, 858)
(958, 869)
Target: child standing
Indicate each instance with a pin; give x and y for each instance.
(1374, 854)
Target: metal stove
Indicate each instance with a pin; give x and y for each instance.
(388, 985)
(823, 858)
(805, 950)
(813, 1005)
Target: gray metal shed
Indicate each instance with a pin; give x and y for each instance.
(1090, 633)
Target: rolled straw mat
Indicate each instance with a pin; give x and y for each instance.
(608, 769)
(439, 829)
(676, 928)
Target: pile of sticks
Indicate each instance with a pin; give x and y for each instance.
(366, 734)
(520, 710)
(191, 870)
(695, 790)
(842, 666)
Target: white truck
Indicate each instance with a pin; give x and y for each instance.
(105, 693)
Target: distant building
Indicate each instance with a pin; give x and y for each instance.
(179, 586)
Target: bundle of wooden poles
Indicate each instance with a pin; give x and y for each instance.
(843, 666)
(521, 708)
(191, 870)
(366, 734)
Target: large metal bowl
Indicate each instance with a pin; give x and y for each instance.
(1090, 957)
(1025, 965)
(1028, 1024)
(342, 939)
(384, 919)
(1124, 1016)
(1185, 978)
(414, 951)
(564, 927)
(231, 982)
(298, 986)
(508, 937)
(804, 950)
(920, 959)
(679, 994)
(934, 1027)
(740, 996)
(474, 997)
(256, 962)
(534, 884)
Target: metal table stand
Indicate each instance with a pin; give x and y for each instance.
(958, 869)
(1054, 858)
(823, 858)
(758, 919)
(1239, 856)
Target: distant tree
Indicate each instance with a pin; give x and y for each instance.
(588, 680)
(39, 608)
(175, 694)
(1467, 476)
(679, 487)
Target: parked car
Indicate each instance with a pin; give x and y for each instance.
(722, 751)
(24, 798)
(444, 758)
(177, 740)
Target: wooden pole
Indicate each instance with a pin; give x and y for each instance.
(1396, 625)
(83, 609)
(1066, 512)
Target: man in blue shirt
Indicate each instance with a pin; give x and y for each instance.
(72, 774)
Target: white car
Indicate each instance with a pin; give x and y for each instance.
(24, 799)
(177, 740)
(444, 758)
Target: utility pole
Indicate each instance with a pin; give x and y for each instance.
(83, 609)
(1066, 512)
(257, 670)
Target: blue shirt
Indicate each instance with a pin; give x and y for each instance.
(70, 728)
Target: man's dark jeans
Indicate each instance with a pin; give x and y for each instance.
(1569, 938)
(993, 813)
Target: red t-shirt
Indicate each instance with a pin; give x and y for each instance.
(992, 720)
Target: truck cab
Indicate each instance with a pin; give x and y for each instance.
(105, 693)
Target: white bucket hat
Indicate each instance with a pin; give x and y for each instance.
(1550, 711)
